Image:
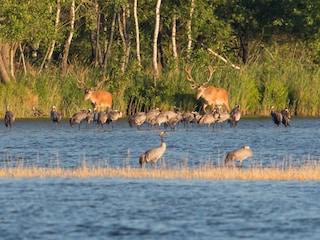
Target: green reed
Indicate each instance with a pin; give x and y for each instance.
(256, 87)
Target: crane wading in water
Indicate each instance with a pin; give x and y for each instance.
(153, 154)
(9, 118)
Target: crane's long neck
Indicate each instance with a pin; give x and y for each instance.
(163, 143)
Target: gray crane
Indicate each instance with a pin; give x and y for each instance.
(55, 116)
(286, 117)
(163, 118)
(174, 120)
(276, 116)
(9, 118)
(79, 117)
(151, 116)
(223, 116)
(187, 117)
(92, 116)
(137, 119)
(239, 154)
(113, 116)
(235, 116)
(208, 118)
(102, 118)
(153, 154)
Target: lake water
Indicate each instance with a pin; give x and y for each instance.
(117, 208)
(40, 142)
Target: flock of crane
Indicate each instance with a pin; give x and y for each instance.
(240, 154)
(158, 118)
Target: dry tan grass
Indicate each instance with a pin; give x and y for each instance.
(207, 172)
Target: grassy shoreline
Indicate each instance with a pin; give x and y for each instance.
(310, 172)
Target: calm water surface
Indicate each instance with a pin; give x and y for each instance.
(112, 208)
(40, 142)
(158, 209)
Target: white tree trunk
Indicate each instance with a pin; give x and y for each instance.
(173, 37)
(56, 25)
(155, 43)
(123, 31)
(69, 39)
(189, 26)
(13, 50)
(96, 36)
(136, 22)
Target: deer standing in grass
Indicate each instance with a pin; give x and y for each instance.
(212, 96)
(99, 99)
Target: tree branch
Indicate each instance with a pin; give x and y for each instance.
(222, 58)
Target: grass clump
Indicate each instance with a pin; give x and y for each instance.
(305, 172)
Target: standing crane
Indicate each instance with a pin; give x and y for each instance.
(137, 119)
(239, 154)
(286, 117)
(235, 116)
(79, 117)
(9, 118)
(113, 116)
(276, 116)
(55, 116)
(153, 154)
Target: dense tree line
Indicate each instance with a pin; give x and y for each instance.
(126, 37)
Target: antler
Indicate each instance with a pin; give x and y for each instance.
(211, 71)
(104, 79)
(82, 84)
(193, 83)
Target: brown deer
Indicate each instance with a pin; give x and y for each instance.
(212, 96)
(99, 98)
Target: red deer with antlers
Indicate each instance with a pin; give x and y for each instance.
(99, 98)
(212, 96)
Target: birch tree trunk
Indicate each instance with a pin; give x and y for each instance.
(189, 28)
(136, 22)
(109, 44)
(173, 37)
(13, 50)
(124, 33)
(22, 58)
(69, 39)
(4, 63)
(95, 36)
(56, 25)
(155, 44)
(7, 53)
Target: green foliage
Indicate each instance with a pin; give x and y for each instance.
(277, 40)
(256, 88)
(26, 20)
